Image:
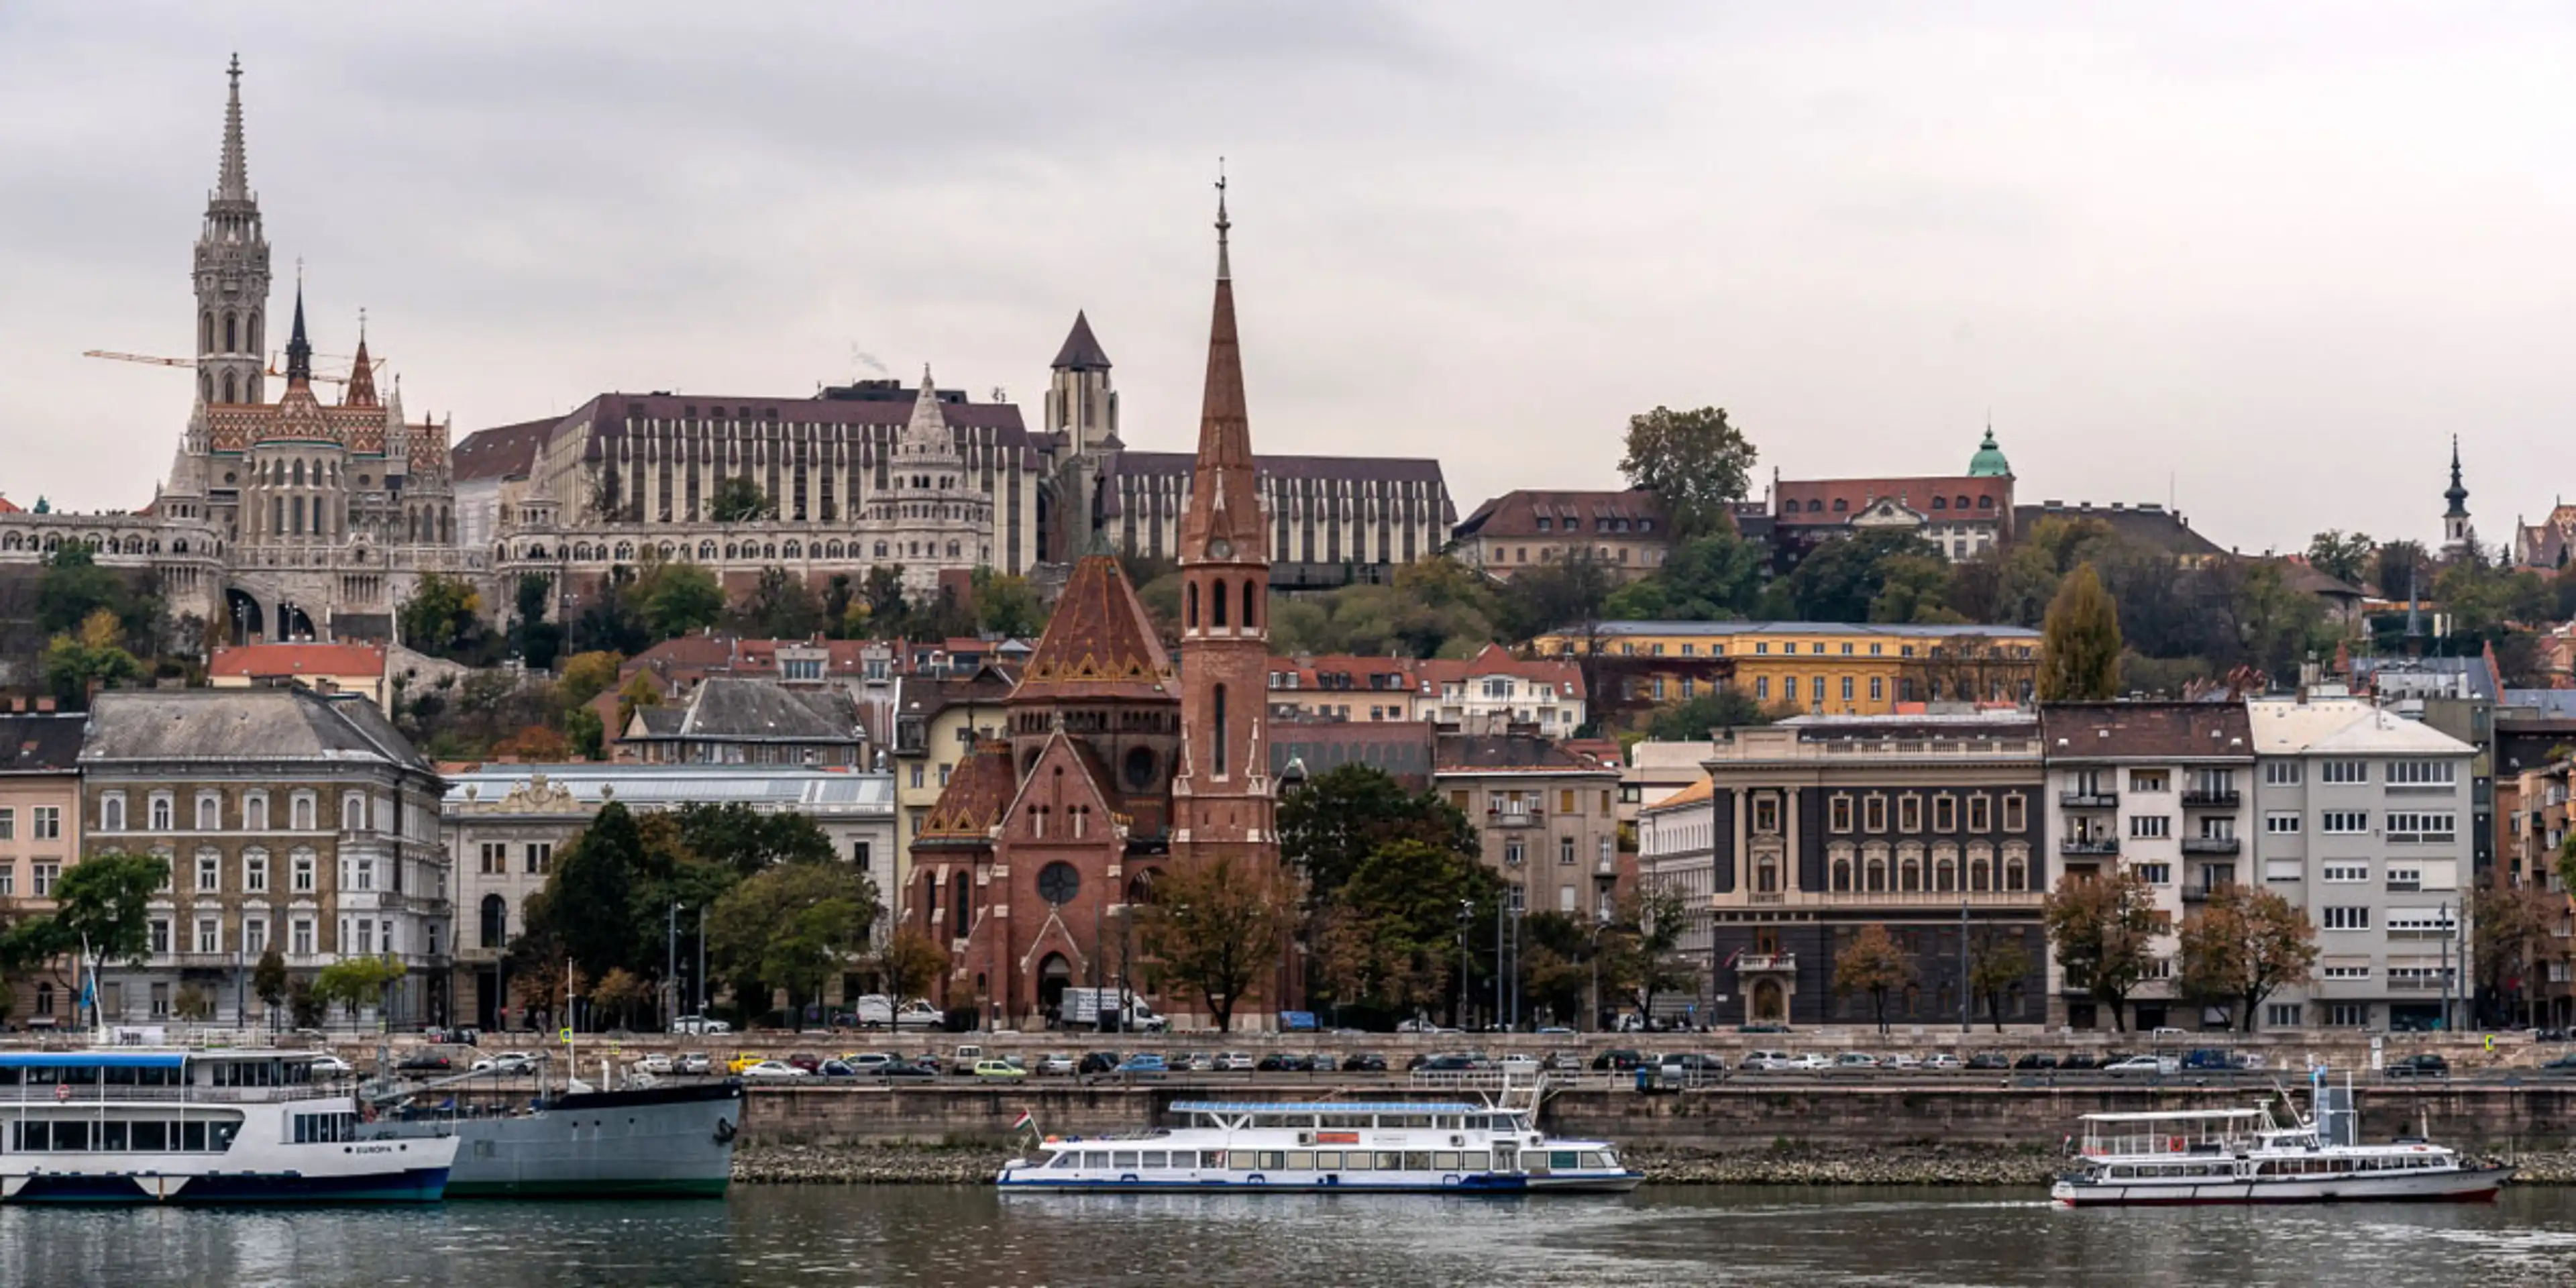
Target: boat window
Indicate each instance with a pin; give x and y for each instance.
(1356, 1161)
(1592, 1159)
(1301, 1160)
(27, 1138)
(1445, 1160)
(1095, 1158)
(1345, 1122)
(1270, 1160)
(1123, 1159)
(1065, 1160)
(1448, 1122)
(69, 1135)
(1212, 1160)
(1417, 1160)
(151, 1137)
(1156, 1160)
(221, 1138)
(1240, 1160)
(1388, 1161)
(2124, 1171)
(1475, 1160)
(192, 1136)
(1610, 1158)
(111, 1135)
(1329, 1160)
(1561, 1160)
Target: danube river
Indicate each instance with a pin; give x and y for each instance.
(815, 1237)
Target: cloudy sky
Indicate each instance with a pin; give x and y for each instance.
(2265, 259)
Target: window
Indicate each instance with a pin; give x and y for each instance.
(302, 943)
(540, 856)
(8, 824)
(1565, 851)
(41, 877)
(1762, 688)
(111, 812)
(255, 812)
(2347, 919)
(2347, 1015)
(45, 823)
(353, 812)
(1981, 811)
(2405, 879)
(254, 936)
(2347, 873)
(1873, 813)
(2425, 922)
(2344, 822)
(158, 936)
(302, 872)
(1909, 814)
(210, 872)
(1945, 814)
(2344, 771)
(2150, 780)
(2281, 823)
(160, 814)
(2281, 773)
(1847, 688)
(2155, 873)
(2411, 828)
(1514, 853)
(362, 874)
(1877, 683)
(495, 857)
(2149, 827)
(210, 935)
(210, 814)
(2282, 1015)
(255, 871)
(1840, 813)
(2422, 773)
(300, 812)
(2016, 814)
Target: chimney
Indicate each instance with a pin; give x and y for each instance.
(44, 706)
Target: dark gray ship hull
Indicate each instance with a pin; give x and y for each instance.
(659, 1142)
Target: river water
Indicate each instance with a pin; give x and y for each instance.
(814, 1237)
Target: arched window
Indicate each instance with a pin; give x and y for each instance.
(297, 474)
(1248, 621)
(232, 333)
(1980, 875)
(1874, 876)
(2016, 876)
(353, 812)
(206, 342)
(229, 388)
(1843, 877)
(160, 812)
(1216, 606)
(253, 329)
(210, 813)
(1190, 617)
(1945, 876)
(111, 812)
(496, 921)
(300, 812)
(1218, 756)
(959, 892)
(255, 813)
(1909, 876)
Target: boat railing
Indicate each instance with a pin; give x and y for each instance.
(86, 1093)
(1461, 1080)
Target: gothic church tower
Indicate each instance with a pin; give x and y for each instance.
(232, 275)
(1221, 803)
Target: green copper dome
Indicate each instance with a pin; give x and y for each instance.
(1989, 462)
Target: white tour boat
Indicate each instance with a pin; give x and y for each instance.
(2248, 1156)
(157, 1126)
(1330, 1147)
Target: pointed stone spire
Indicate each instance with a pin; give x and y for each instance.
(1223, 522)
(2456, 494)
(926, 434)
(299, 351)
(1081, 351)
(232, 180)
(362, 372)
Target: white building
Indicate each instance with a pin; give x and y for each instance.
(2364, 822)
(1677, 851)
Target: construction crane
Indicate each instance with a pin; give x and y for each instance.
(148, 359)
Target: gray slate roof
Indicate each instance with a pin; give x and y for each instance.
(281, 724)
(730, 709)
(40, 743)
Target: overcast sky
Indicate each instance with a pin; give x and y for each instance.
(2267, 258)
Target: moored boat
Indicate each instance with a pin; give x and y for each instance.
(196, 1127)
(669, 1141)
(2244, 1156)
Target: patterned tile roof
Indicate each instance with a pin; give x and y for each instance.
(971, 805)
(1099, 643)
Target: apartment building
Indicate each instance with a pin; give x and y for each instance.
(2159, 791)
(2365, 823)
(1677, 852)
(40, 826)
(1822, 668)
(1547, 817)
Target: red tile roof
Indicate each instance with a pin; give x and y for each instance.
(262, 661)
(1837, 500)
(1098, 643)
(1494, 659)
(1517, 514)
(973, 801)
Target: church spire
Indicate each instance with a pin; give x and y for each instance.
(299, 351)
(232, 179)
(362, 372)
(1223, 522)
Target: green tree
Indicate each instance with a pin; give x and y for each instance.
(780, 607)
(1691, 721)
(1712, 578)
(1913, 588)
(740, 838)
(1650, 922)
(2079, 648)
(2342, 555)
(2514, 935)
(1389, 938)
(791, 927)
(680, 598)
(1332, 824)
(2242, 947)
(588, 736)
(1562, 595)
(584, 906)
(1693, 461)
(613, 621)
(1872, 965)
(2400, 569)
(739, 500)
(269, 982)
(1006, 605)
(77, 665)
(356, 982)
(1840, 580)
(73, 587)
(586, 676)
(1997, 967)
(1217, 928)
(2102, 929)
(443, 618)
(910, 963)
(536, 640)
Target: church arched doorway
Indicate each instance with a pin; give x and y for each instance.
(1770, 1003)
(1055, 974)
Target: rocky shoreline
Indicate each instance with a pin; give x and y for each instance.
(1785, 1163)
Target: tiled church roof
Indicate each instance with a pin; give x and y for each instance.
(1099, 643)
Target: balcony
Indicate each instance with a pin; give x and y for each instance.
(1767, 963)
(2080, 845)
(2211, 798)
(1946, 900)
(2081, 799)
(2416, 983)
(1515, 817)
(2212, 844)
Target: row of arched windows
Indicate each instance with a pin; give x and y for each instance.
(234, 333)
(1217, 600)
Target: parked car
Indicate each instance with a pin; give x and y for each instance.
(696, 1064)
(1193, 1062)
(1899, 1060)
(1942, 1061)
(770, 1071)
(1565, 1062)
(1235, 1062)
(1449, 1062)
(2036, 1060)
(743, 1060)
(657, 1064)
(2146, 1064)
(1281, 1062)
(877, 1011)
(999, 1069)
(426, 1062)
(699, 1025)
(1054, 1064)
(2208, 1058)
(2562, 1067)
(1690, 1065)
(1323, 1062)
(1617, 1060)
(2166, 1034)
(905, 1069)
(1096, 1062)
(1143, 1064)
(1422, 1026)
(1364, 1062)
(2078, 1060)
(330, 1066)
(1856, 1062)
(2423, 1064)
(836, 1069)
(867, 1061)
(1520, 1064)
(1990, 1060)
(806, 1061)
(507, 1063)
(1811, 1062)
(1764, 1061)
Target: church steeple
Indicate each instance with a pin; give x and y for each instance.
(231, 272)
(2456, 530)
(299, 351)
(1223, 522)
(362, 370)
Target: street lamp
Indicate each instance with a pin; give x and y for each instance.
(1466, 914)
(671, 967)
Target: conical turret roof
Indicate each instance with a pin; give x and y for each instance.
(1099, 643)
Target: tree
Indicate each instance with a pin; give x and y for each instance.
(587, 675)
(640, 691)
(1389, 938)
(746, 841)
(618, 996)
(680, 598)
(613, 621)
(739, 500)
(532, 637)
(73, 587)
(910, 962)
(1691, 721)
(356, 982)
(2243, 946)
(442, 618)
(78, 665)
(589, 738)
(1872, 964)
(1339, 818)
(1650, 921)
(1842, 580)
(2401, 569)
(2102, 929)
(2344, 556)
(1216, 928)
(268, 983)
(791, 927)
(2079, 648)
(1565, 594)
(102, 906)
(2515, 931)
(1006, 605)
(881, 612)
(780, 607)
(1712, 578)
(1997, 965)
(1693, 461)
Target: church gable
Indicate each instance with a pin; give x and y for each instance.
(1061, 799)
(974, 799)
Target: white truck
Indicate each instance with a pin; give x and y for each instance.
(877, 1011)
(1086, 1008)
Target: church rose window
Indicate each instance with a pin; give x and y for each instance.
(1058, 883)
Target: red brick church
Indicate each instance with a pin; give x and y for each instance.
(1117, 764)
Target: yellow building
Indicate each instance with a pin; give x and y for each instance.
(1825, 668)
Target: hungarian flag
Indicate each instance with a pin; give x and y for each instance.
(1027, 1119)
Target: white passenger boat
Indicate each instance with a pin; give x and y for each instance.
(197, 1127)
(2248, 1156)
(1330, 1147)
